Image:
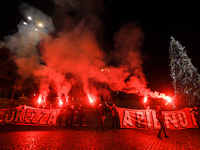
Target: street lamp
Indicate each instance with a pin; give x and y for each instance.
(29, 18)
(40, 25)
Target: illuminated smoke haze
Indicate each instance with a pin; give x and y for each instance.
(24, 43)
(72, 54)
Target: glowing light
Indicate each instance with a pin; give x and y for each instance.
(145, 99)
(67, 99)
(105, 69)
(34, 94)
(36, 29)
(39, 99)
(90, 99)
(29, 18)
(168, 99)
(40, 25)
(42, 99)
(24, 23)
(60, 103)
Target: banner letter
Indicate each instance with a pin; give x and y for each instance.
(127, 118)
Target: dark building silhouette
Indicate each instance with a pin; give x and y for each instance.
(7, 73)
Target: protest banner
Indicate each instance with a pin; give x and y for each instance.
(146, 119)
(26, 115)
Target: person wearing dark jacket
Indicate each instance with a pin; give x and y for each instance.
(60, 115)
(71, 116)
(10, 105)
(80, 115)
(67, 115)
(160, 118)
(115, 115)
(101, 116)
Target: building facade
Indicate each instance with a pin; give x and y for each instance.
(7, 73)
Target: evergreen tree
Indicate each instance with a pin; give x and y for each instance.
(186, 79)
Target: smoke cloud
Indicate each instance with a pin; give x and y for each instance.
(73, 56)
(24, 43)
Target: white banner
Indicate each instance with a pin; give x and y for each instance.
(26, 115)
(146, 119)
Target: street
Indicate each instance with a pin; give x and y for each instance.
(35, 137)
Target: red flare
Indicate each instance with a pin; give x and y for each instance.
(145, 99)
(60, 103)
(91, 100)
(39, 99)
(168, 99)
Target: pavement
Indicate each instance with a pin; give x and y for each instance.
(37, 137)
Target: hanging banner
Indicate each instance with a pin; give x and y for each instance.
(146, 119)
(25, 115)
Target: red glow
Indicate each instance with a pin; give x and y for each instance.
(86, 60)
(168, 99)
(145, 99)
(91, 99)
(39, 99)
(67, 99)
(60, 103)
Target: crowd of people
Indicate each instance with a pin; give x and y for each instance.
(69, 115)
(101, 115)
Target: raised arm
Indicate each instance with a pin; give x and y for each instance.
(108, 105)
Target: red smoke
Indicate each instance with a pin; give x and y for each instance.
(78, 53)
(74, 59)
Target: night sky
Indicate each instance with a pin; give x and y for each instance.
(158, 21)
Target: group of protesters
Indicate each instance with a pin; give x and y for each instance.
(101, 115)
(69, 113)
(101, 110)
